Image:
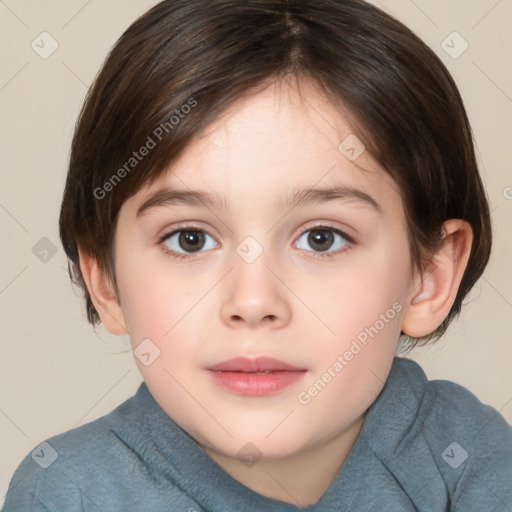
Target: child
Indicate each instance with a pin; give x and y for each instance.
(268, 196)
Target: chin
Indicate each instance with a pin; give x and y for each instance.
(255, 448)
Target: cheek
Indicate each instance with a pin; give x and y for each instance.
(371, 285)
(165, 302)
(150, 297)
(363, 306)
(364, 310)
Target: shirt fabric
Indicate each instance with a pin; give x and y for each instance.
(427, 446)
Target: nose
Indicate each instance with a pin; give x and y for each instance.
(256, 296)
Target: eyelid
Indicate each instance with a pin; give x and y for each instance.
(182, 227)
(327, 225)
(317, 225)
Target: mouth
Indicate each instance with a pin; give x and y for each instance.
(255, 377)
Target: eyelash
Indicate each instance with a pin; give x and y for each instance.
(315, 255)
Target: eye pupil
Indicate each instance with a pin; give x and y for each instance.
(191, 240)
(320, 240)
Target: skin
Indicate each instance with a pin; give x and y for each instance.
(289, 303)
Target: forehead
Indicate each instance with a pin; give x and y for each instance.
(273, 144)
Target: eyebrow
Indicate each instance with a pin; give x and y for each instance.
(299, 197)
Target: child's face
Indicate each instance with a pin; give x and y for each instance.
(289, 302)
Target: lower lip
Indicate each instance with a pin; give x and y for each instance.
(256, 384)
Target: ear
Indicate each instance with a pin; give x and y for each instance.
(435, 290)
(103, 296)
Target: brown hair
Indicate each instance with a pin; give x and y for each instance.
(181, 64)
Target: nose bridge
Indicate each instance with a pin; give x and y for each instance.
(255, 295)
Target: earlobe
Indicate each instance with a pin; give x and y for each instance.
(102, 294)
(436, 288)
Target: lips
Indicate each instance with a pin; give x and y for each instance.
(255, 377)
(247, 365)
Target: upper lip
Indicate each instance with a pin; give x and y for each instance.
(258, 364)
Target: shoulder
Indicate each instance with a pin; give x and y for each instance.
(442, 402)
(469, 441)
(472, 444)
(73, 470)
(457, 414)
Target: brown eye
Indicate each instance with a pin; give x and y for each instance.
(188, 241)
(323, 239)
(320, 240)
(191, 240)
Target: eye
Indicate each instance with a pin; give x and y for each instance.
(187, 241)
(324, 239)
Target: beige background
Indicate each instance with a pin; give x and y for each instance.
(56, 372)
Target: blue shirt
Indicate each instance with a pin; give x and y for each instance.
(424, 446)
